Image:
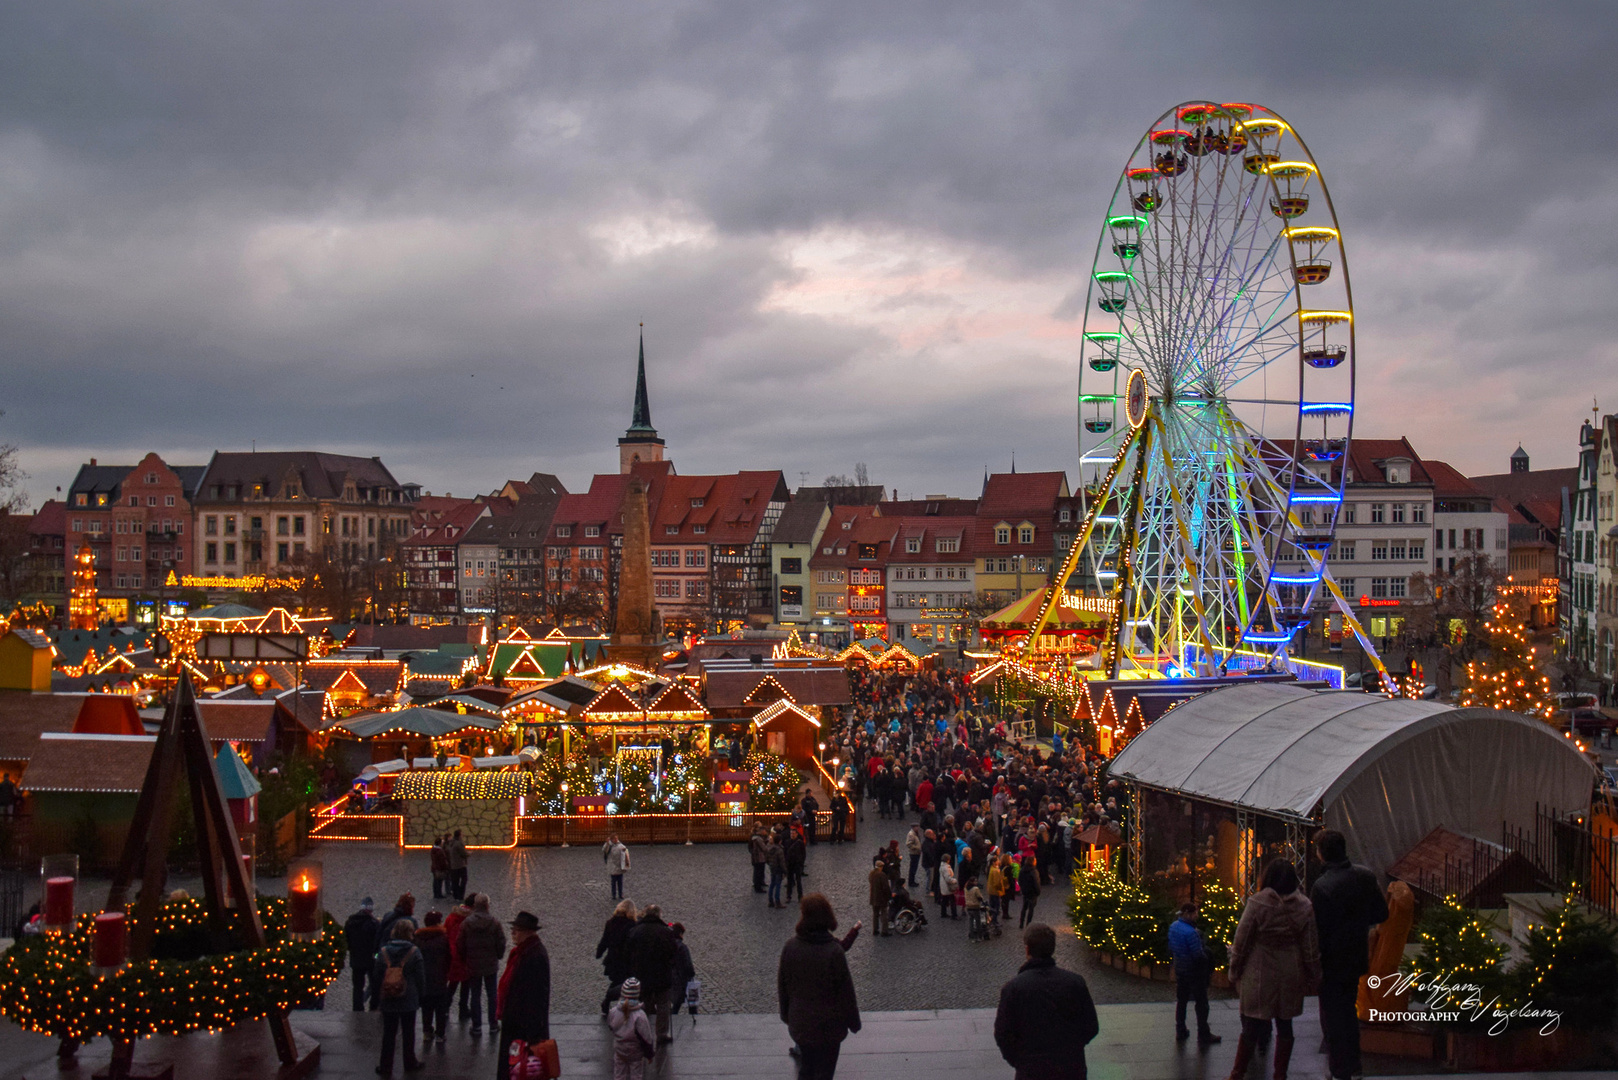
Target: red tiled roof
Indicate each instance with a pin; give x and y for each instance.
(105, 764)
(807, 686)
(1014, 498)
(50, 519)
(378, 676)
(1368, 456)
(23, 716)
(929, 530)
(1448, 483)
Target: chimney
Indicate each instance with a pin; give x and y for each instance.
(92, 462)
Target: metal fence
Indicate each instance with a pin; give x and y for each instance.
(1571, 854)
(540, 831)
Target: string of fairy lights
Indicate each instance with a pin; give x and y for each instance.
(1509, 679)
(1127, 921)
(47, 984)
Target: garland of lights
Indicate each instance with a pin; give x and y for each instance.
(451, 784)
(1112, 915)
(47, 985)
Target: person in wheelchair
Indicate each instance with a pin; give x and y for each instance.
(901, 904)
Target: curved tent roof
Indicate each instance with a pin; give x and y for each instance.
(1389, 769)
(419, 720)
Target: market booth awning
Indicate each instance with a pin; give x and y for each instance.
(421, 722)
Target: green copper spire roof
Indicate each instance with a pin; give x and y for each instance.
(642, 420)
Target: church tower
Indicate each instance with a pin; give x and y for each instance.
(640, 441)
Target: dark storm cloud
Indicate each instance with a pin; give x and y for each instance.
(427, 231)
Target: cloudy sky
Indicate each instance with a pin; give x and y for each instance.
(428, 230)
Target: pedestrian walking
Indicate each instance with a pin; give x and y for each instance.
(396, 990)
(1274, 962)
(775, 855)
(524, 999)
(811, 807)
(881, 896)
(403, 908)
(757, 850)
(1192, 970)
(685, 971)
(1046, 1017)
(913, 849)
(616, 856)
(652, 949)
(797, 853)
(362, 934)
(632, 1045)
(815, 990)
(458, 977)
(613, 950)
(435, 989)
(1028, 885)
(440, 867)
(455, 848)
(483, 943)
(1347, 903)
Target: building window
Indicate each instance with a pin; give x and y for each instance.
(1398, 515)
(671, 530)
(696, 590)
(1379, 588)
(1002, 534)
(210, 525)
(1379, 550)
(281, 552)
(699, 529)
(590, 554)
(210, 552)
(1025, 534)
(1396, 550)
(698, 502)
(947, 545)
(230, 552)
(1378, 513)
(1348, 514)
(123, 554)
(592, 530)
(666, 588)
(1418, 512)
(1064, 514)
(1396, 588)
(792, 566)
(1500, 539)
(230, 525)
(1343, 551)
(564, 530)
(1417, 551)
(913, 544)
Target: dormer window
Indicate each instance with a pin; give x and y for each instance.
(1002, 533)
(671, 530)
(913, 545)
(1064, 514)
(563, 531)
(848, 525)
(1025, 533)
(697, 502)
(592, 530)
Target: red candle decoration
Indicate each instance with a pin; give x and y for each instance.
(58, 906)
(111, 948)
(303, 906)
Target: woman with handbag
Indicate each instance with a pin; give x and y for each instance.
(524, 1001)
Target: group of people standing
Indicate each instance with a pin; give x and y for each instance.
(649, 970)
(401, 970)
(449, 867)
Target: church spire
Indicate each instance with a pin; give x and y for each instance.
(640, 441)
(642, 420)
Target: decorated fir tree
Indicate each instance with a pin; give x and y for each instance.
(1508, 676)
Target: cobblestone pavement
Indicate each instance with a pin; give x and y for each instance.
(735, 939)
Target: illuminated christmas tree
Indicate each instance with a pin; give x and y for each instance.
(1509, 677)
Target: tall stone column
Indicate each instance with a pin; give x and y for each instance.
(635, 637)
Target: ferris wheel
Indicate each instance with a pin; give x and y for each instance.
(1216, 396)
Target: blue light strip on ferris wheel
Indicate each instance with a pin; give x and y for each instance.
(1315, 498)
(1295, 579)
(1270, 639)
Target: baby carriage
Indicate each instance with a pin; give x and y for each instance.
(977, 924)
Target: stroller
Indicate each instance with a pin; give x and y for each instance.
(906, 913)
(977, 924)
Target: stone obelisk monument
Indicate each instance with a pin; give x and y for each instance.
(635, 637)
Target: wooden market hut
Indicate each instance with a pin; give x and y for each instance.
(786, 729)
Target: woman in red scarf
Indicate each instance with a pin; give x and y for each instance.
(524, 996)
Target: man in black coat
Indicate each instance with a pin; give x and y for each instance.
(1347, 904)
(1046, 1016)
(652, 948)
(525, 992)
(363, 934)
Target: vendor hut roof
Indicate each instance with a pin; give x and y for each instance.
(98, 764)
(23, 717)
(251, 721)
(1385, 771)
(236, 780)
(420, 722)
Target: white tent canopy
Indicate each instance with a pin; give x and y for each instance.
(1383, 771)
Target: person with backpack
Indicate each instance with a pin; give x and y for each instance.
(397, 991)
(632, 1045)
(362, 933)
(435, 994)
(483, 943)
(525, 993)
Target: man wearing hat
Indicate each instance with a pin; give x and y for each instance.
(525, 991)
(363, 933)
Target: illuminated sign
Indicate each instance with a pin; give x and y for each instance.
(252, 581)
(1366, 601)
(1098, 605)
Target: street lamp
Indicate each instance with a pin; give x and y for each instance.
(823, 753)
(564, 813)
(690, 793)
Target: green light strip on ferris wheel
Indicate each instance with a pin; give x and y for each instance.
(1236, 540)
